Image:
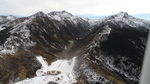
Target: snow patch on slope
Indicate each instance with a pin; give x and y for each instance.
(60, 72)
(1, 28)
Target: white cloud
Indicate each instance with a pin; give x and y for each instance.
(78, 7)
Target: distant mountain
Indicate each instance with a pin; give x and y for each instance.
(4, 19)
(108, 50)
(122, 18)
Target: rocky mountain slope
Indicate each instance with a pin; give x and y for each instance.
(107, 51)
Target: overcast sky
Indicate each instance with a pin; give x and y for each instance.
(76, 7)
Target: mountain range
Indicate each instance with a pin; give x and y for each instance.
(108, 50)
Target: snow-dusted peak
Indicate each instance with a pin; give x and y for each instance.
(62, 15)
(119, 16)
(11, 17)
(4, 19)
(123, 18)
(40, 13)
(122, 15)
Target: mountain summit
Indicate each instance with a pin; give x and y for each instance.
(125, 19)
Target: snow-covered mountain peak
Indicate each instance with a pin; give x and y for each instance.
(5, 19)
(122, 15)
(123, 18)
(11, 17)
(66, 18)
(119, 16)
(40, 13)
(62, 15)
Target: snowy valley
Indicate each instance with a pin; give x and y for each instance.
(60, 72)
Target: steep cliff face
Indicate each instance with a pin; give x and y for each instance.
(108, 51)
